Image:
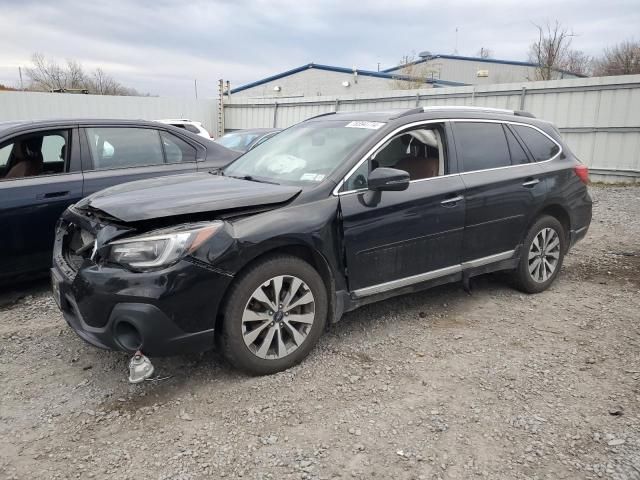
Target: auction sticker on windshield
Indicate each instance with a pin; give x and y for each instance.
(312, 177)
(364, 124)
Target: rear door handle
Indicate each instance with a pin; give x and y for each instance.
(52, 194)
(531, 182)
(451, 202)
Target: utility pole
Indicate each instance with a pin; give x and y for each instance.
(378, 66)
(455, 51)
(195, 85)
(20, 73)
(220, 108)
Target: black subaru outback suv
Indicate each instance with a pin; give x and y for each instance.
(335, 212)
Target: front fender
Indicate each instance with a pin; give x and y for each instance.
(314, 226)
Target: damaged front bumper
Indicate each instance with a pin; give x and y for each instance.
(164, 312)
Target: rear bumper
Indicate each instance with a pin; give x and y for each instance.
(580, 216)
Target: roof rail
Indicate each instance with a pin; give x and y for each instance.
(321, 115)
(502, 111)
(411, 111)
(462, 107)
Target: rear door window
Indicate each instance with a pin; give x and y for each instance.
(119, 147)
(541, 147)
(481, 145)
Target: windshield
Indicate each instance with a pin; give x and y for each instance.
(304, 154)
(237, 141)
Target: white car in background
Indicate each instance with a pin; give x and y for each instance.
(189, 125)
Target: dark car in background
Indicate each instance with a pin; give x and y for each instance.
(47, 165)
(245, 140)
(333, 213)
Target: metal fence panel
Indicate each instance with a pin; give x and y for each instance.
(599, 117)
(39, 106)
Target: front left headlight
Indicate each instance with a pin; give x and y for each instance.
(161, 248)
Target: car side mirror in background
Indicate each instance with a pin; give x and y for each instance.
(388, 179)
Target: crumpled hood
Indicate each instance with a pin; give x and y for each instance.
(184, 194)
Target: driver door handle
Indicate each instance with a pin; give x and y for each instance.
(52, 194)
(451, 202)
(531, 182)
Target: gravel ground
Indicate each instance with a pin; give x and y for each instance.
(434, 385)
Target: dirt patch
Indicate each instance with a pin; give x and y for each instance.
(613, 267)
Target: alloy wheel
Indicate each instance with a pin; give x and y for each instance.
(278, 317)
(544, 254)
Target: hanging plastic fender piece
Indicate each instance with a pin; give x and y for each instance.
(140, 368)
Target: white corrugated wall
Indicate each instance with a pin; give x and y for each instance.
(39, 106)
(598, 117)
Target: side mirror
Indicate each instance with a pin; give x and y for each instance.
(388, 179)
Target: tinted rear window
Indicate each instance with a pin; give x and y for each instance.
(481, 146)
(540, 146)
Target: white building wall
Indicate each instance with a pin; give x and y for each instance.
(314, 82)
(466, 71)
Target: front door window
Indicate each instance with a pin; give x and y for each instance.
(420, 152)
(34, 154)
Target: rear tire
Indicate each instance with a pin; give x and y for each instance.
(542, 255)
(275, 313)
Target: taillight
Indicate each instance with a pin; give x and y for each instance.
(582, 171)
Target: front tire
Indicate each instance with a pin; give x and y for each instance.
(274, 315)
(542, 255)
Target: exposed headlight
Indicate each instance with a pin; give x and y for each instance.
(162, 247)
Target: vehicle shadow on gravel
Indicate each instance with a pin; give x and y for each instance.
(12, 293)
(440, 307)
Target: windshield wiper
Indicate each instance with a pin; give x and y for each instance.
(252, 179)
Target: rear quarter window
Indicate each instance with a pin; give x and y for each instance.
(541, 147)
(518, 155)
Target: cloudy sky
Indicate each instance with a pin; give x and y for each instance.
(161, 46)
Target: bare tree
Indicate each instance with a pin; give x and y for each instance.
(621, 59)
(550, 51)
(47, 75)
(102, 84)
(578, 62)
(44, 75)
